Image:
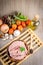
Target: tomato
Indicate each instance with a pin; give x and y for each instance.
(28, 22)
(14, 26)
(11, 31)
(20, 27)
(23, 24)
(18, 22)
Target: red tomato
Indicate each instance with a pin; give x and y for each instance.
(28, 22)
(23, 24)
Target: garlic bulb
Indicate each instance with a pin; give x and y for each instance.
(6, 36)
(10, 36)
(16, 32)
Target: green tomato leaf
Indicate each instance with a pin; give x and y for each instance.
(22, 49)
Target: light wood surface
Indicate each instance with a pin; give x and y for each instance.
(29, 8)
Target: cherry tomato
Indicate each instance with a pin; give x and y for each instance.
(18, 22)
(28, 22)
(23, 24)
(20, 27)
(14, 26)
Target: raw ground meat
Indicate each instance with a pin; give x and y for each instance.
(14, 50)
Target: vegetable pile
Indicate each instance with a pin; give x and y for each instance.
(16, 21)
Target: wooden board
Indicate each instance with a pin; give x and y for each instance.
(26, 36)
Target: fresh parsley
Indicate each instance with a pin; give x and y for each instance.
(22, 49)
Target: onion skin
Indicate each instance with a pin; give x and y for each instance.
(4, 28)
(1, 22)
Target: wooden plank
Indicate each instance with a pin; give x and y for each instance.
(24, 36)
(2, 61)
(8, 62)
(28, 42)
(27, 39)
(3, 55)
(35, 42)
(12, 63)
(5, 59)
(3, 51)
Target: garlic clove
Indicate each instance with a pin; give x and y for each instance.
(10, 36)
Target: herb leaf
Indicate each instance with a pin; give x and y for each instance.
(22, 49)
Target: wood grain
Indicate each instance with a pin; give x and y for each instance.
(28, 7)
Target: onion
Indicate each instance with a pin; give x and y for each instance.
(4, 28)
(1, 22)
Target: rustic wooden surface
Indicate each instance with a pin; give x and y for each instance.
(29, 8)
